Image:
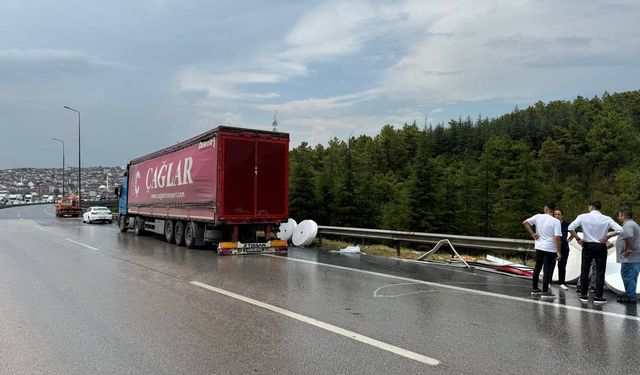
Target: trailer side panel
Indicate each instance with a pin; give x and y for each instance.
(180, 183)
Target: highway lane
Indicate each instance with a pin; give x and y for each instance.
(84, 298)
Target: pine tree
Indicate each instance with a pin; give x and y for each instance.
(302, 200)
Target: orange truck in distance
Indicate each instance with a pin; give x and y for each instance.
(68, 207)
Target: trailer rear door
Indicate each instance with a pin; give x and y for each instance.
(238, 177)
(254, 178)
(271, 194)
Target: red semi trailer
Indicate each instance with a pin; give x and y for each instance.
(227, 185)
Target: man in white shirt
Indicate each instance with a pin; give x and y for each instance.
(548, 239)
(595, 230)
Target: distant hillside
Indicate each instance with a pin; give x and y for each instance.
(476, 177)
(49, 180)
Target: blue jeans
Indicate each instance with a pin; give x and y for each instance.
(629, 272)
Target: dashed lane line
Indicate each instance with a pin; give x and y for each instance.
(82, 244)
(326, 326)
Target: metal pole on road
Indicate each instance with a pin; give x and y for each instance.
(60, 140)
(79, 153)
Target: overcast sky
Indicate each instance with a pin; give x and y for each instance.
(146, 74)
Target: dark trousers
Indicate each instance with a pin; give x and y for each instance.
(547, 260)
(593, 251)
(562, 265)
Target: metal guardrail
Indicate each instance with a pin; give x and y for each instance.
(23, 204)
(85, 204)
(430, 238)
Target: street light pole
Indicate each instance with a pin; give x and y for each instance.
(60, 140)
(79, 162)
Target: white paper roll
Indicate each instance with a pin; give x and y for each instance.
(305, 233)
(286, 229)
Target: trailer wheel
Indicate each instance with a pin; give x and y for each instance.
(138, 226)
(169, 233)
(190, 235)
(122, 224)
(179, 233)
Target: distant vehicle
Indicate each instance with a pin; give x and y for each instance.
(3, 201)
(95, 214)
(51, 199)
(223, 186)
(68, 207)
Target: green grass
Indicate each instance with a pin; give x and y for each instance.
(443, 254)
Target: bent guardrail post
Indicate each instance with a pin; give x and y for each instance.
(440, 243)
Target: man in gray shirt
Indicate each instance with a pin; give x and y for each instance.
(628, 254)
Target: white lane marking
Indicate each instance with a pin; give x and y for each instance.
(471, 291)
(47, 212)
(81, 244)
(326, 326)
(19, 215)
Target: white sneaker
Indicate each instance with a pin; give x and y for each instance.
(564, 287)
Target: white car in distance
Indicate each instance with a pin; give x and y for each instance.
(94, 214)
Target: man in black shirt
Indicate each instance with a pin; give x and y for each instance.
(564, 249)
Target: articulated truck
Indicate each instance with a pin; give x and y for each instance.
(227, 186)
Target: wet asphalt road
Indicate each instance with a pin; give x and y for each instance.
(78, 298)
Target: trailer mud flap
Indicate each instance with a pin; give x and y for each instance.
(239, 248)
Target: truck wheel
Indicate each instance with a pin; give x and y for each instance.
(122, 224)
(190, 235)
(138, 226)
(179, 233)
(169, 233)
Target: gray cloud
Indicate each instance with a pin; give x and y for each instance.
(526, 42)
(570, 51)
(24, 63)
(164, 69)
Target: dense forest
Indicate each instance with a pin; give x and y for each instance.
(475, 177)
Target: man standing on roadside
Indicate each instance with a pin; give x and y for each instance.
(628, 254)
(564, 247)
(595, 227)
(547, 245)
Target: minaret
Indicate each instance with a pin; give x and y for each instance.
(274, 123)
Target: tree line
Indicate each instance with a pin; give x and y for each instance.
(479, 177)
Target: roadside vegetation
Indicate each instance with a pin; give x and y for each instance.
(443, 254)
(479, 177)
